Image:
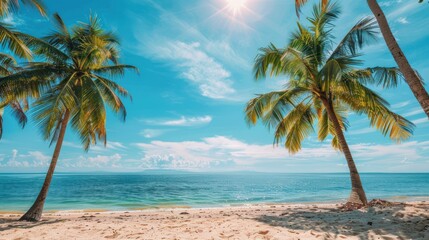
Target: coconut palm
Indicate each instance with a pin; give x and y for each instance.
(411, 77)
(325, 83)
(70, 87)
(10, 39)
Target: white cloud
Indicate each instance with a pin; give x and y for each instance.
(71, 144)
(361, 131)
(111, 145)
(182, 121)
(183, 155)
(223, 50)
(421, 120)
(13, 160)
(115, 145)
(400, 104)
(91, 162)
(402, 20)
(100, 159)
(408, 156)
(13, 20)
(406, 8)
(14, 154)
(226, 153)
(389, 3)
(151, 133)
(31, 159)
(217, 151)
(412, 112)
(39, 158)
(196, 66)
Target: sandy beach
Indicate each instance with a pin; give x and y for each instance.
(265, 221)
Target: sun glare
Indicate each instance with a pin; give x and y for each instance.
(235, 6)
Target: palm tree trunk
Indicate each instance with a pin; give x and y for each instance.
(35, 212)
(357, 194)
(411, 77)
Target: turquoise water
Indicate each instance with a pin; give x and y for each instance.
(135, 191)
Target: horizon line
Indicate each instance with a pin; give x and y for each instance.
(197, 172)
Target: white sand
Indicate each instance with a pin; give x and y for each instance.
(283, 221)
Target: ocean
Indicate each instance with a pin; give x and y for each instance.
(150, 190)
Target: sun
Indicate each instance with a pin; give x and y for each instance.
(235, 6)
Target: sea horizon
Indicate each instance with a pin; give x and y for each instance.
(159, 189)
(155, 171)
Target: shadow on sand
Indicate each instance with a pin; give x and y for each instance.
(382, 221)
(9, 223)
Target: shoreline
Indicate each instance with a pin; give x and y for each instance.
(258, 221)
(172, 206)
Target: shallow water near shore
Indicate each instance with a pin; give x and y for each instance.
(133, 191)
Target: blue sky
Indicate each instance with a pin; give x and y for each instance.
(195, 60)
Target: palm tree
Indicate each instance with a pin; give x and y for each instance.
(411, 77)
(11, 39)
(71, 86)
(8, 36)
(325, 83)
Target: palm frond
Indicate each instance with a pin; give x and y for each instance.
(113, 86)
(8, 64)
(300, 3)
(322, 18)
(389, 123)
(6, 59)
(18, 113)
(43, 49)
(10, 40)
(9, 6)
(114, 70)
(361, 34)
(90, 116)
(385, 76)
(271, 107)
(257, 107)
(268, 58)
(107, 92)
(365, 101)
(32, 82)
(295, 127)
(51, 106)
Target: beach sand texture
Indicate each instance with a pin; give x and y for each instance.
(263, 221)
